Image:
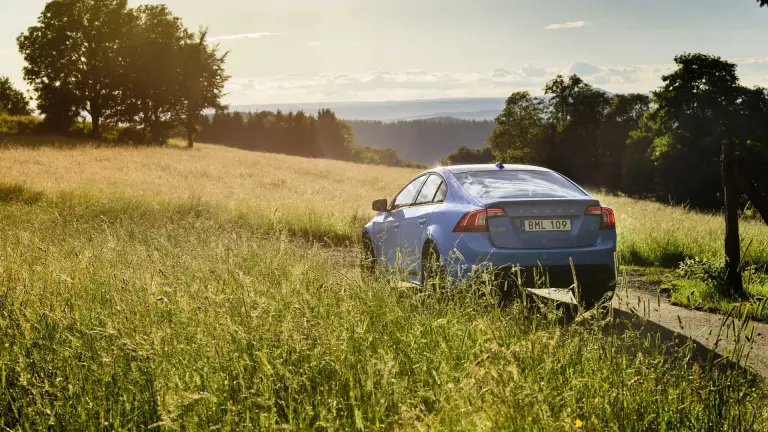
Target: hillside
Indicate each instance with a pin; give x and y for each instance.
(425, 141)
(320, 198)
(217, 288)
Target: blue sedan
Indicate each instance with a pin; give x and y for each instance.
(532, 226)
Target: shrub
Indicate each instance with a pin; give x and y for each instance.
(19, 125)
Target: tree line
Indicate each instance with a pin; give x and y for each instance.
(137, 68)
(295, 133)
(665, 145)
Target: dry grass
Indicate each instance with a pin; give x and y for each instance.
(324, 199)
(317, 198)
(212, 173)
(140, 289)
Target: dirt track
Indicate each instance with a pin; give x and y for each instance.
(655, 314)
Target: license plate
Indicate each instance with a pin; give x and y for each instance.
(547, 225)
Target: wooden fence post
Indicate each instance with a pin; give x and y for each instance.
(731, 194)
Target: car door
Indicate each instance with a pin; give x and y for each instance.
(413, 228)
(393, 222)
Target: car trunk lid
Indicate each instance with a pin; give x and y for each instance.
(551, 223)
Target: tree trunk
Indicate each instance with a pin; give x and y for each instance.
(96, 125)
(191, 125)
(733, 283)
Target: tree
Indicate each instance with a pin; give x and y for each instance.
(697, 109)
(637, 169)
(622, 118)
(576, 112)
(150, 74)
(763, 2)
(702, 121)
(12, 101)
(76, 45)
(331, 139)
(518, 127)
(563, 94)
(202, 78)
(577, 143)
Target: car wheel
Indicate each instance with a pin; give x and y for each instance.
(367, 258)
(432, 271)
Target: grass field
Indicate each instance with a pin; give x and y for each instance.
(197, 290)
(325, 200)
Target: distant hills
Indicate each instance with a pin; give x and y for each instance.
(423, 130)
(467, 109)
(460, 108)
(422, 140)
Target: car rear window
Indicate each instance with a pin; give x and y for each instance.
(518, 184)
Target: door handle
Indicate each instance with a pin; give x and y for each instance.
(422, 221)
(397, 225)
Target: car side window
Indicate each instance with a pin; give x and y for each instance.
(442, 191)
(408, 195)
(429, 190)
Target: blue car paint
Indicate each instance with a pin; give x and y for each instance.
(404, 232)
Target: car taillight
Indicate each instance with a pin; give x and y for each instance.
(607, 218)
(477, 220)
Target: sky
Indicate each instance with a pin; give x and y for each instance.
(287, 51)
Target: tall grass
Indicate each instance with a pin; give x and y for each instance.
(123, 311)
(328, 200)
(656, 234)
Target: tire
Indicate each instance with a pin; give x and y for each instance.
(432, 271)
(367, 258)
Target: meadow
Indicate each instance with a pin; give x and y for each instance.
(325, 200)
(217, 289)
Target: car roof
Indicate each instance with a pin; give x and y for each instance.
(457, 169)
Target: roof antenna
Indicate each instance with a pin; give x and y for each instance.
(500, 166)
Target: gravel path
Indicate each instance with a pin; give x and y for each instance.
(654, 314)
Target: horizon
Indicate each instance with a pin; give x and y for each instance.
(345, 51)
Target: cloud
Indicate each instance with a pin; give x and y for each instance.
(531, 71)
(583, 69)
(566, 25)
(627, 75)
(752, 66)
(614, 75)
(752, 60)
(429, 84)
(314, 44)
(243, 36)
(380, 85)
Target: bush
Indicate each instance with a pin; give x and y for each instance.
(467, 155)
(19, 125)
(710, 272)
(374, 156)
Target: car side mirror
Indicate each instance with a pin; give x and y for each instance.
(380, 205)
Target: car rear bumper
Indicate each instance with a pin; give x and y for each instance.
(594, 265)
(557, 276)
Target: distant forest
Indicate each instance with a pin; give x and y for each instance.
(295, 133)
(424, 141)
